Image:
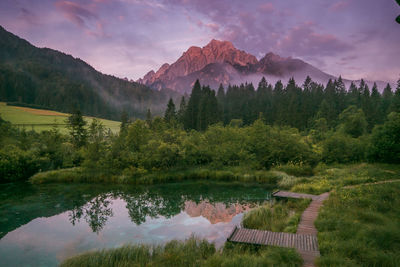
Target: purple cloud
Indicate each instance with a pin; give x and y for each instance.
(266, 7)
(75, 12)
(339, 6)
(355, 38)
(302, 40)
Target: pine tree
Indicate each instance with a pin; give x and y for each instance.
(341, 91)
(192, 110)
(395, 105)
(221, 102)
(149, 118)
(277, 104)
(264, 100)
(208, 109)
(307, 103)
(124, 122)
(354, 95)
(387, 97)
(170, 112)
(376, 116)
(182, 110)
(77, 130)
(221, 94)
(330, 110)
(366, 103)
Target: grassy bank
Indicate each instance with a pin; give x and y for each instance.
(42, 119)
(329, 177)
(326, 177)
(361, 227)
(192, 252)
(283, 216)
(205, 173)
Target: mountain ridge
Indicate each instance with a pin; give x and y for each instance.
(235, 67)
(55, 80)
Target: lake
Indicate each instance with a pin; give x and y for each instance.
(41, 225)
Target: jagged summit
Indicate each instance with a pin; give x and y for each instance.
(272, 57)
(220, 62)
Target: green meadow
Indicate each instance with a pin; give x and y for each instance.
(41, 119)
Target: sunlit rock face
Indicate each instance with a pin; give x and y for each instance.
(215, 212)
(219, 62)
(195, 64)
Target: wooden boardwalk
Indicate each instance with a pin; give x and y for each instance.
(287, 194)
(258, 237)
(306, 225)
(304, 241)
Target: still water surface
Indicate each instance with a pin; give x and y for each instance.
(43, 225)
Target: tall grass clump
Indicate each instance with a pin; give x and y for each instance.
(139, 176)
(252, 255)
(191, 252)
(361, 227)
(174, 253)
(295, 169)
(277, 217)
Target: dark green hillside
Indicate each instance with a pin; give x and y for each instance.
(54, 80)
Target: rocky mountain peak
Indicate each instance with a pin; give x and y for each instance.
(217, 44)
(272, 57)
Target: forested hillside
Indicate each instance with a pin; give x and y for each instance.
(305, 107)
(51, 79)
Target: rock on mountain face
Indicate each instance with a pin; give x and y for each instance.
(195, 60)
(219, 62)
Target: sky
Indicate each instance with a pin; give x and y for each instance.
(127, 38)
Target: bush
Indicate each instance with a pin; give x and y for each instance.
(385, 141)
(296, 169)
(16, 164)
(343, 149)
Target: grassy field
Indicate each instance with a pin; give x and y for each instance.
(40, 119)
(360, 226)
(329, 177)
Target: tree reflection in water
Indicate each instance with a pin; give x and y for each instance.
(93, 203)
(95, 212)
(141, 202)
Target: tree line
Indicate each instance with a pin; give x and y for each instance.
(302, 107)
(200, 134)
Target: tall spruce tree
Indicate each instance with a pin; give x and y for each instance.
(387, 97)
(395, 105)
(170, 112)
(182, 110)
(76, 125)
(149, 118)
(124, 122)
(192, 110)
(208, 109)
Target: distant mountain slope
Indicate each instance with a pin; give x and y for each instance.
(219, 62)
(52, 79)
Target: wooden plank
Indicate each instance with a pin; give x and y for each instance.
(293, 195)
(232, 233)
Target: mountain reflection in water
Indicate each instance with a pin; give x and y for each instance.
(215, 212)
(42, 225)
